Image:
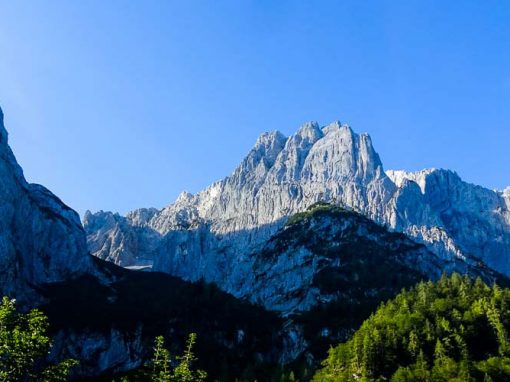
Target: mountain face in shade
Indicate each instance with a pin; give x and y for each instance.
(41, 239)
(105, 316)
(215, 233)
(328, 254)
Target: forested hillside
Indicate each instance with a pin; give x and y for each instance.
(452, 330)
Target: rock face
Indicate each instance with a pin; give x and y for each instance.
(237, 234)
(104, 315)
(214, 234)
(453, 217)
(41, 239)
(42, 242)
(329, 254)
(112, 238)
(207, 235)
(329, 268)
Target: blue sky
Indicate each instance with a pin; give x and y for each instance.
(116, 105)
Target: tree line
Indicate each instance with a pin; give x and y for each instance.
(453, 330)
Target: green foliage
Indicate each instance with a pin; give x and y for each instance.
(161, 370)
(316, 209)
(24, 345)
(371, 271)
(183, 371)
(158, 302)
(452, 330)
(164, 368)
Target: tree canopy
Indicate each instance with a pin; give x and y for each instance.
(452, 330)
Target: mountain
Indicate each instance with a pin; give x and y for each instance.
(41, 239)
(324, 271)
(111, 328)
(106, 316)
(260, 234)
(215, 233)
(437, 207)
(329, 268)
(329, 253)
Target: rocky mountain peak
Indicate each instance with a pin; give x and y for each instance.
(99, 219)
(260, 158)
(279, 176)
(309, 131)
(333, 126)
(209, 235)
(344, 154)
(337, 126)
(184, 197)
(142, 216)
(270, 139)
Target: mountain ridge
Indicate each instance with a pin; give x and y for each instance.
(281, 176)
(319, 265)
(41, 238)
(103, 315)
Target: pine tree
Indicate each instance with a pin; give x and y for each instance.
(161, 370)
(414, 344)
(161, 362)
(495, 320)
(183, 371)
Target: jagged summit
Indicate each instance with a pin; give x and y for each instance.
(223, 234)
(268, 137)
(101, 314)
(279, 176)
(333, 126)
(310, 130)
(208, 234)
(184, 197)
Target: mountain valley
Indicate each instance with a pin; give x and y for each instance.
(270, 266)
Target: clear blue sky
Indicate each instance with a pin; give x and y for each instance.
(116, 105)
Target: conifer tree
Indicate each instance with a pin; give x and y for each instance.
(161, 370)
